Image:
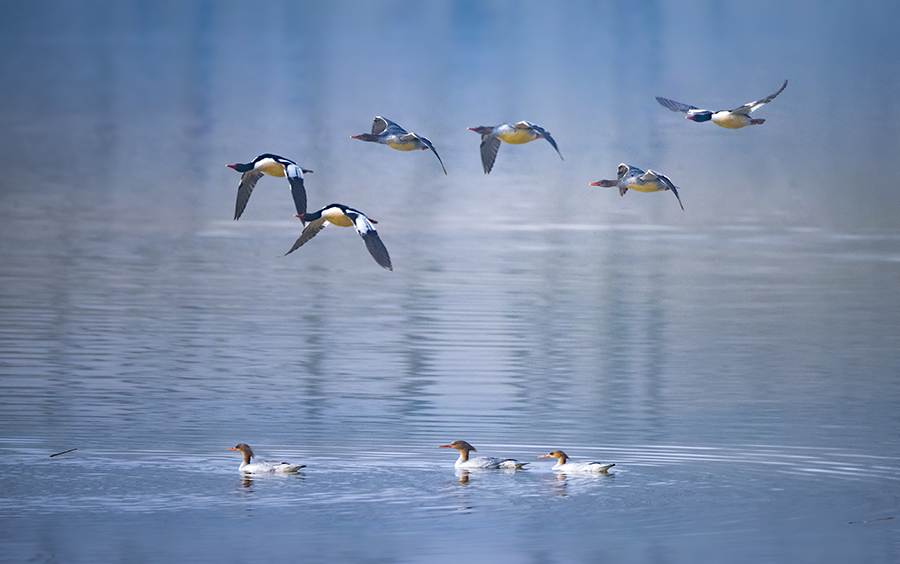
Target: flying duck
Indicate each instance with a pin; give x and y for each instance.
(272, 165)
(631, 177)
(388, 133)
(729, 119)
(343, 216)
(514, 133)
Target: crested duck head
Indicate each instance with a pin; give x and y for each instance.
(558, 455)
(245, 450)
(462, 446)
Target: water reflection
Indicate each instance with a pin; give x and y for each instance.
(560, 483)
(464, 475)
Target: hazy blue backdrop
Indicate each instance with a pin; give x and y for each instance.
(737, 360)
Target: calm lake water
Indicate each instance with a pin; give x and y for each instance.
(738, 361)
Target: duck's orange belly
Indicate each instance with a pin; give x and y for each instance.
(270, 167)
(403, 145)
(337, 217)
(517, 137)
(730, 121)
(649, 187)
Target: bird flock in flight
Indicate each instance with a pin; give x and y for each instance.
(386, 132)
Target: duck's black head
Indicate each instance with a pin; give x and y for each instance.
(699, 115)
(241, 167)
(482, 129)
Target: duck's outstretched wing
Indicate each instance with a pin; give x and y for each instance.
(381, 124)
(312, 228)
(546, 136)
(751, 106)
(652, 175)
(428, 144)
(373, 242)
(295, 177)
(675, 106)
(245, 188)
(490, 144)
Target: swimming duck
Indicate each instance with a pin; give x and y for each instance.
(344, 216)
(514, 133)
(729, 119)
(263, 466)
(563, 466)
(388, 133)
(631, 177)
(481, 462)
(272, 165)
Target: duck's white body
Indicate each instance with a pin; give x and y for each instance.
(488, 463)
(262, 466)
(579, 467)
(265, 466)
(731, 120)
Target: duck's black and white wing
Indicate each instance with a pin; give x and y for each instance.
(626, 170)
(245, 188)
(675, 106)
(490, 144)
(373, 242)
(751, 106)
(546, 136)
(381, 124)
(295, 177)
(312, 228)
(653, 176)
